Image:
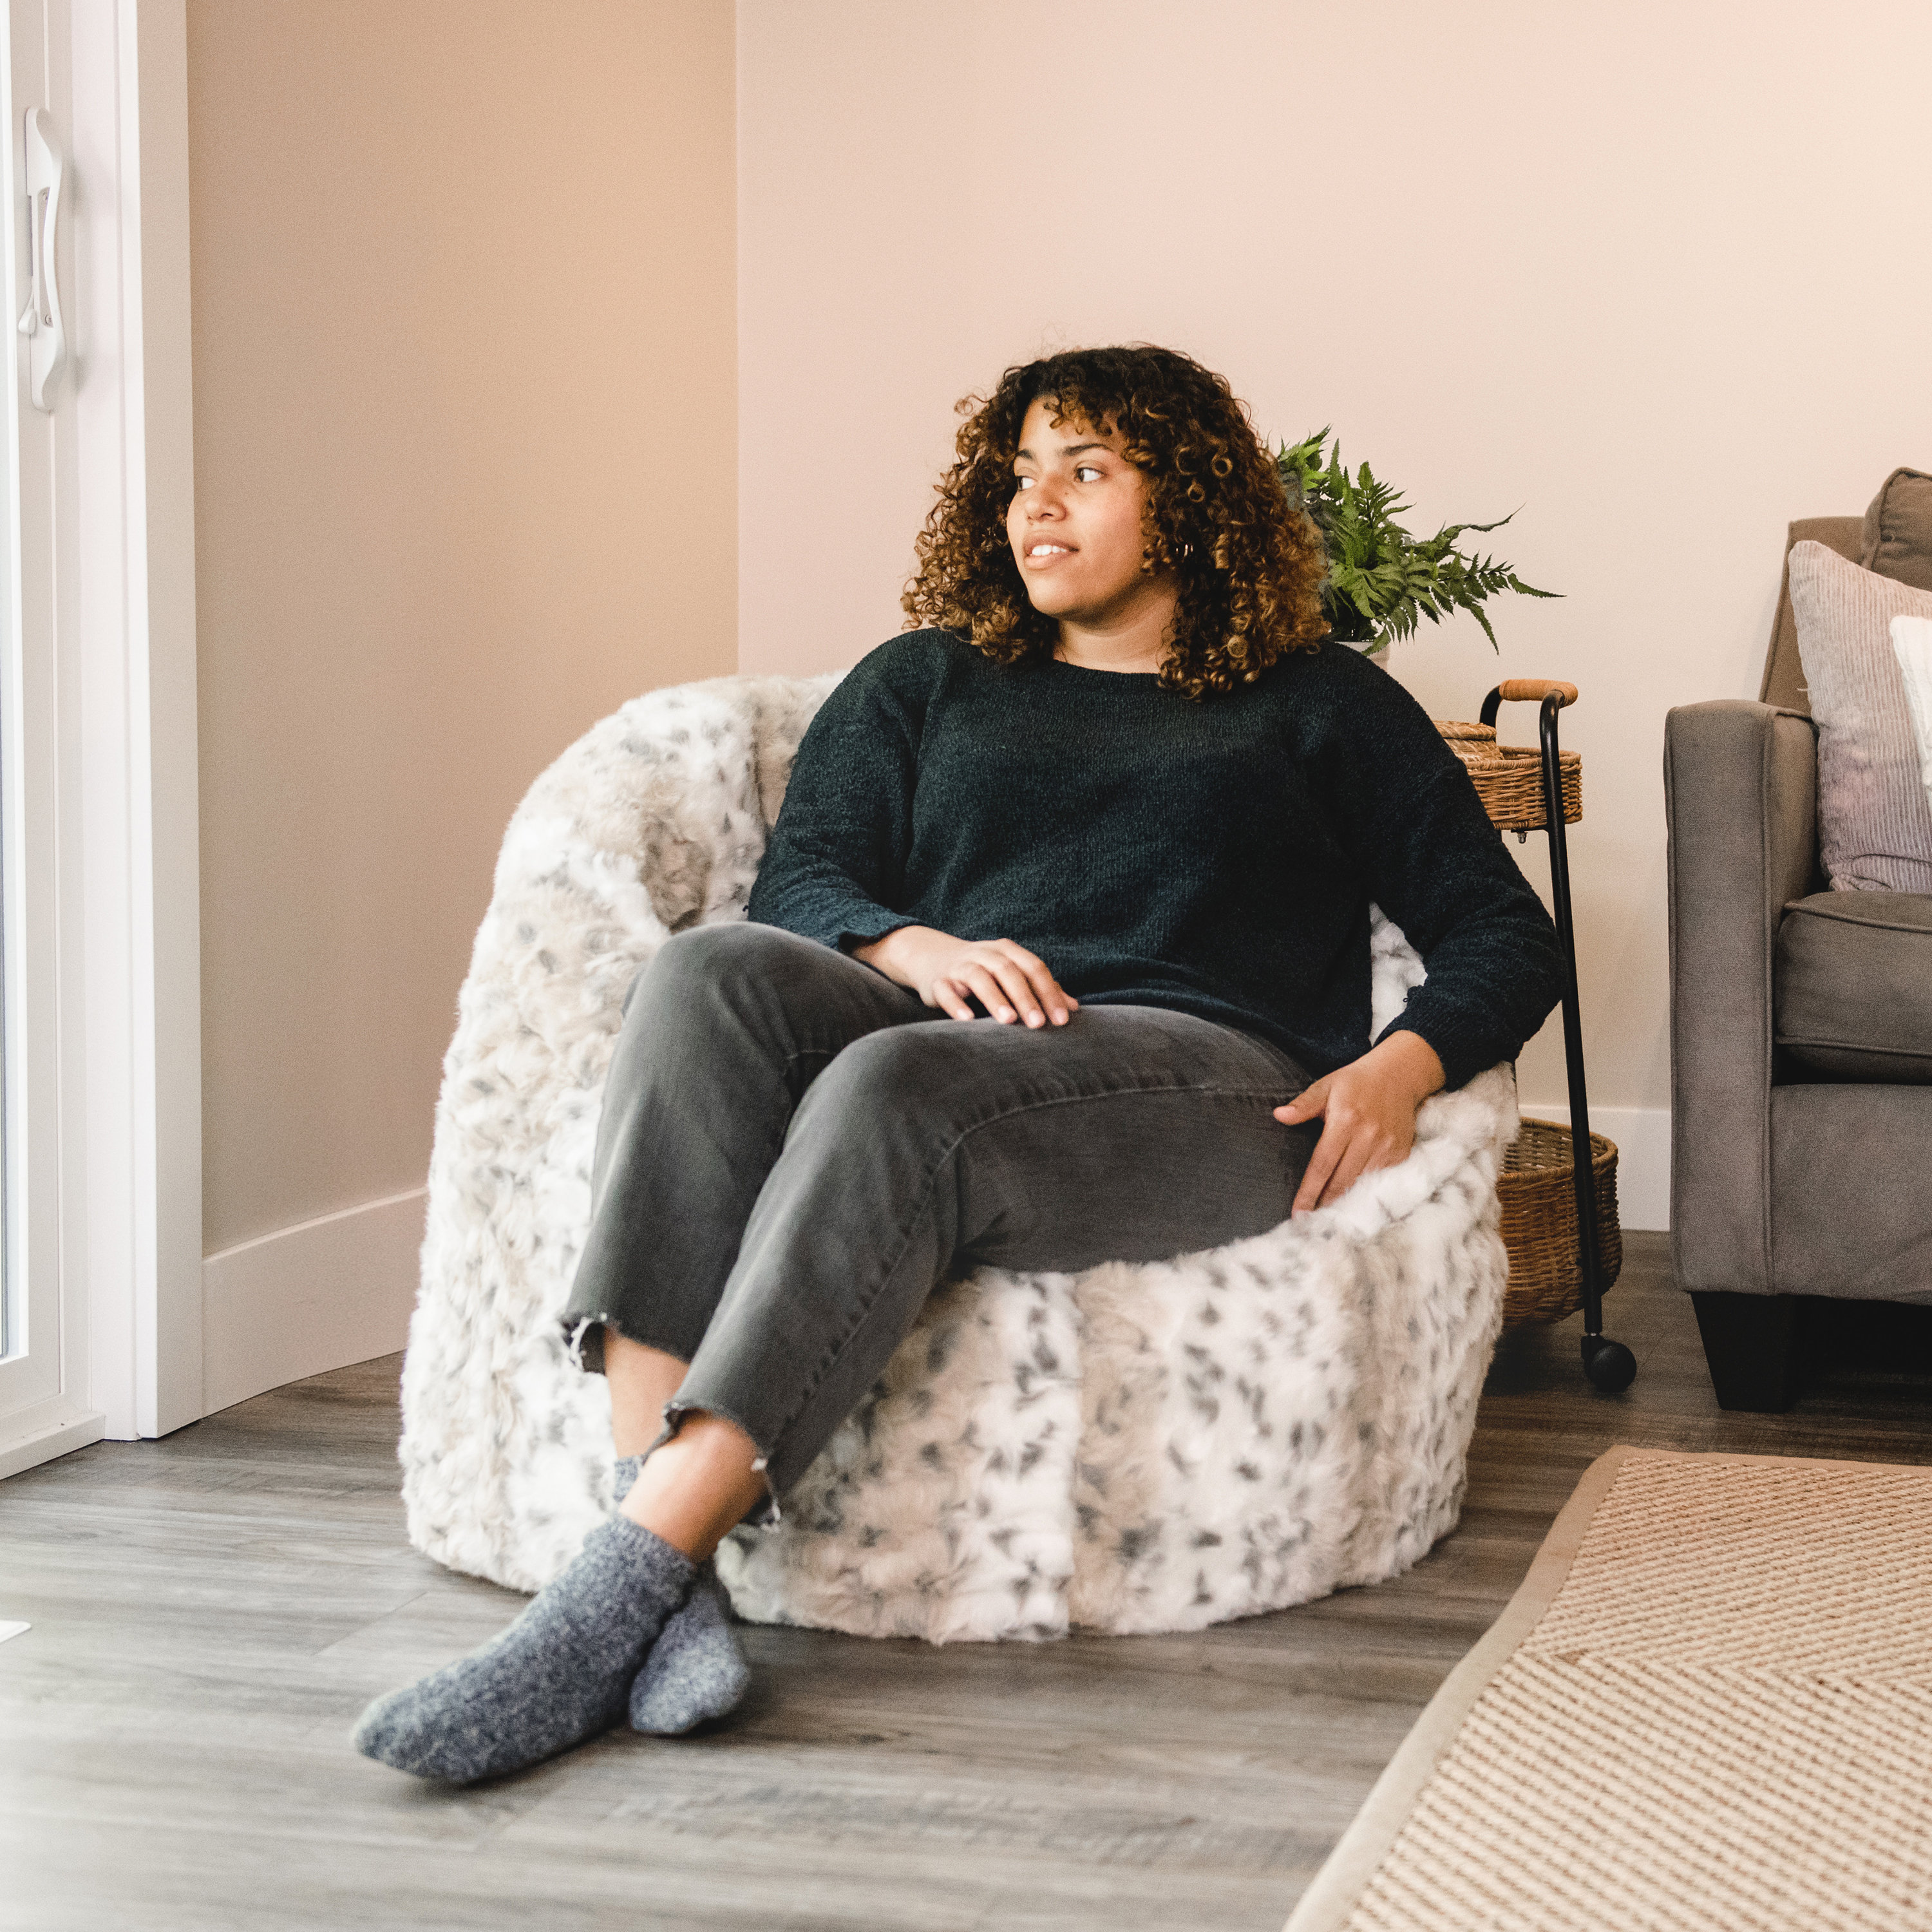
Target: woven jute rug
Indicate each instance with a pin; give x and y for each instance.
(1709, 1706)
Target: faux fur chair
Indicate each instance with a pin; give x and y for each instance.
(1138, 1447)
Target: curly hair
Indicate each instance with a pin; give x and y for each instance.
(1248, 564)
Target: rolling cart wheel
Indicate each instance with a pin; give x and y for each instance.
(1609, 1365)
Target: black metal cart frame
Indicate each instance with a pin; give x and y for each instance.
(1609, 1365)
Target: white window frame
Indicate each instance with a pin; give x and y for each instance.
(104, 962)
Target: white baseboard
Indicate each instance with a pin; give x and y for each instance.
(306, 1299)
(53, 1428)
(1643, 1137)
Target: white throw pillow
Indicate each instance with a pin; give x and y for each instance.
(1912, 645)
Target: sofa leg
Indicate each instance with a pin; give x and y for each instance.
(1752, 1343)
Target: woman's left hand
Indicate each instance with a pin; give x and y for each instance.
(1367, 1111)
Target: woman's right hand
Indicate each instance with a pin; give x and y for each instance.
(1012, 984)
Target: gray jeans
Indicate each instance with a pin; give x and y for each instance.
(794, 1152)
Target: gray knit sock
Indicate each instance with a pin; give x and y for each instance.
(695, 1673)
(561, 1672)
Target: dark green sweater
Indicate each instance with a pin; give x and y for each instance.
(1216, 858)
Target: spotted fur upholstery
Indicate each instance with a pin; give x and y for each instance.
(1141, 1447)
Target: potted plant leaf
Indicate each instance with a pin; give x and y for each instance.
(1380, 579)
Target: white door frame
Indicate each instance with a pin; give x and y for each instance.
(125, 1003)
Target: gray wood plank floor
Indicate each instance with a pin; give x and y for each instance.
(210, 1612)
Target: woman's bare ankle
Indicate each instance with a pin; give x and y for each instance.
(641, 1380)
(697, 1486)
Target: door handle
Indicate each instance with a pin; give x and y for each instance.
(41, 320)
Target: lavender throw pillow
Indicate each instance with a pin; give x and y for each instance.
(1874, 823)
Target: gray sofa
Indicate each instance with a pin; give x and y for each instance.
(1801, 1020)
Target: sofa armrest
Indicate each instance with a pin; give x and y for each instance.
(1741, 791)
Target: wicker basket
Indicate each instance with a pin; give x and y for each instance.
(1509, 778)
(1537, 1187)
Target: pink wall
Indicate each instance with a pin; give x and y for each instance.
(1656, 279)
(463, 483)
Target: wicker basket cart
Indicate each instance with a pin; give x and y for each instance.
(1524, 791)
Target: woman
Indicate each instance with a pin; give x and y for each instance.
(1058, 954)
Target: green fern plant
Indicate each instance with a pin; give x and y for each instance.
(1381, 580)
